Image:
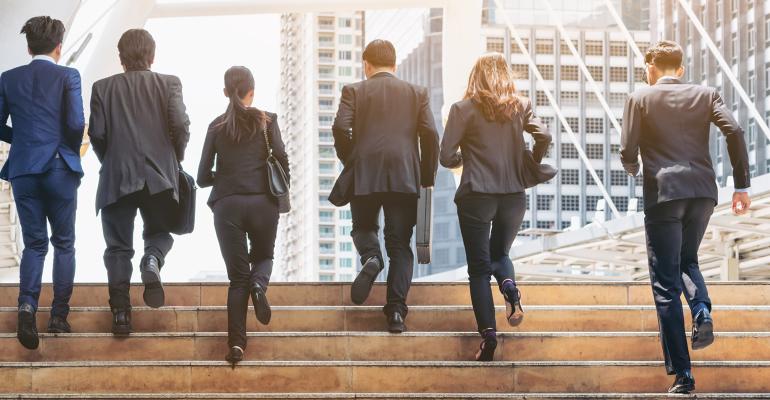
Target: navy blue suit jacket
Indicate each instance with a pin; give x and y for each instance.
(45, 104)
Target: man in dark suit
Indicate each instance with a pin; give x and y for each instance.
(379, 124)
(669, 123)
(139, 130)
(44, 102)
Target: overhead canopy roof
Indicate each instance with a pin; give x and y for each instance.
(734, 247)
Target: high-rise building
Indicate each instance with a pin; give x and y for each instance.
(320, 54)
(741, 31)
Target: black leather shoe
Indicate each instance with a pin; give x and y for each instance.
(153, 289)
(683, 384)
(702, 330)
(261, 305)
(362, 285)
(26, 330)
(58, 325)
(396, 323)
(121, 321)
(235, 355)
(513, 311)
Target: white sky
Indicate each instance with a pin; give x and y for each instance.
(198, 50)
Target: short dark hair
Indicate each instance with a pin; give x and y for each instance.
(380, 53)
(43, 34)
(137, 49)
(666, 54)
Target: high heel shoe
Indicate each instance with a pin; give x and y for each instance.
(487, 347)
(513, 311)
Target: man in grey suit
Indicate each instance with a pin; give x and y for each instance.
(139, 130)
(378, 127)
(669, 123)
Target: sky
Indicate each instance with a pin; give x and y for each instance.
(198, 50)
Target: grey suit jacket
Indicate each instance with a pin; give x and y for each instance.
(494, 156)
(385, 136)
(139, 130)
(669, 123)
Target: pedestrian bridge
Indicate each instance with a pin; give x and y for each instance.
(734, 248)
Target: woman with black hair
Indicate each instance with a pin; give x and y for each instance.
(245, 211)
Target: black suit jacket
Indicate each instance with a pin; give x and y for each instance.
(385, 136)
(139, 130)
(494, 156)
(241, 168)
(669, 123)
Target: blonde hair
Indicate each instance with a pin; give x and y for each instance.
(491, 86)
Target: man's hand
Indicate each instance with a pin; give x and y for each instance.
(632, 169)
(741, 203)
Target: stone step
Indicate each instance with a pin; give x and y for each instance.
(420, 319)
(455, 293)
(376, 346)
(381, 396)
(379, 377)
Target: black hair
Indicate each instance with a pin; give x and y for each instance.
(241, 121)
(43, 34)
(380, 53)
(666, 54)
(137, 49)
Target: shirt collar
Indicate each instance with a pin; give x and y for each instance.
(44, 58)
(669, 79)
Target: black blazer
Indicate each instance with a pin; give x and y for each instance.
(385, 136)
(494, 155)
(669, 123)
(240, 167)
(139, 130)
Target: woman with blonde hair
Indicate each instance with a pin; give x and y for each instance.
(484, 135)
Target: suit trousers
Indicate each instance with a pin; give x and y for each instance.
(50, 197)
(118, 227)
(400, 210)
(674, 232)
(246, 226)
(489, 224)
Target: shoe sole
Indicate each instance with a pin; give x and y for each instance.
(705, 336)
(261, 306)
(362, 285)
(487, 353)
(29, 340)
(153, 290)
(683, 390)
(397, 329)
(122, 331)
(515, 316)
(58, 330)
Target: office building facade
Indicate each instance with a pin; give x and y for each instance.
(320, 54)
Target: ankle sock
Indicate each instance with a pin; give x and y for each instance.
(489, 334)
(508, 286)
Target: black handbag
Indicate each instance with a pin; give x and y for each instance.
(276, 178)
(184, 221)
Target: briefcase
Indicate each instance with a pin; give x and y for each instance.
(424, 227)
(184, 219)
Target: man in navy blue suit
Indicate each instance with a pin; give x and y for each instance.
(45, 104)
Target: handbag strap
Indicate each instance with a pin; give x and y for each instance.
(267, 140)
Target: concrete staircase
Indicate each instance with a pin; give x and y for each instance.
(578, 340)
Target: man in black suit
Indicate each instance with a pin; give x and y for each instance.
(139, 130)
(669, 123)
(379, 124)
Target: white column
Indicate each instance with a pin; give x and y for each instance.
(730, 269)
(461, 47)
